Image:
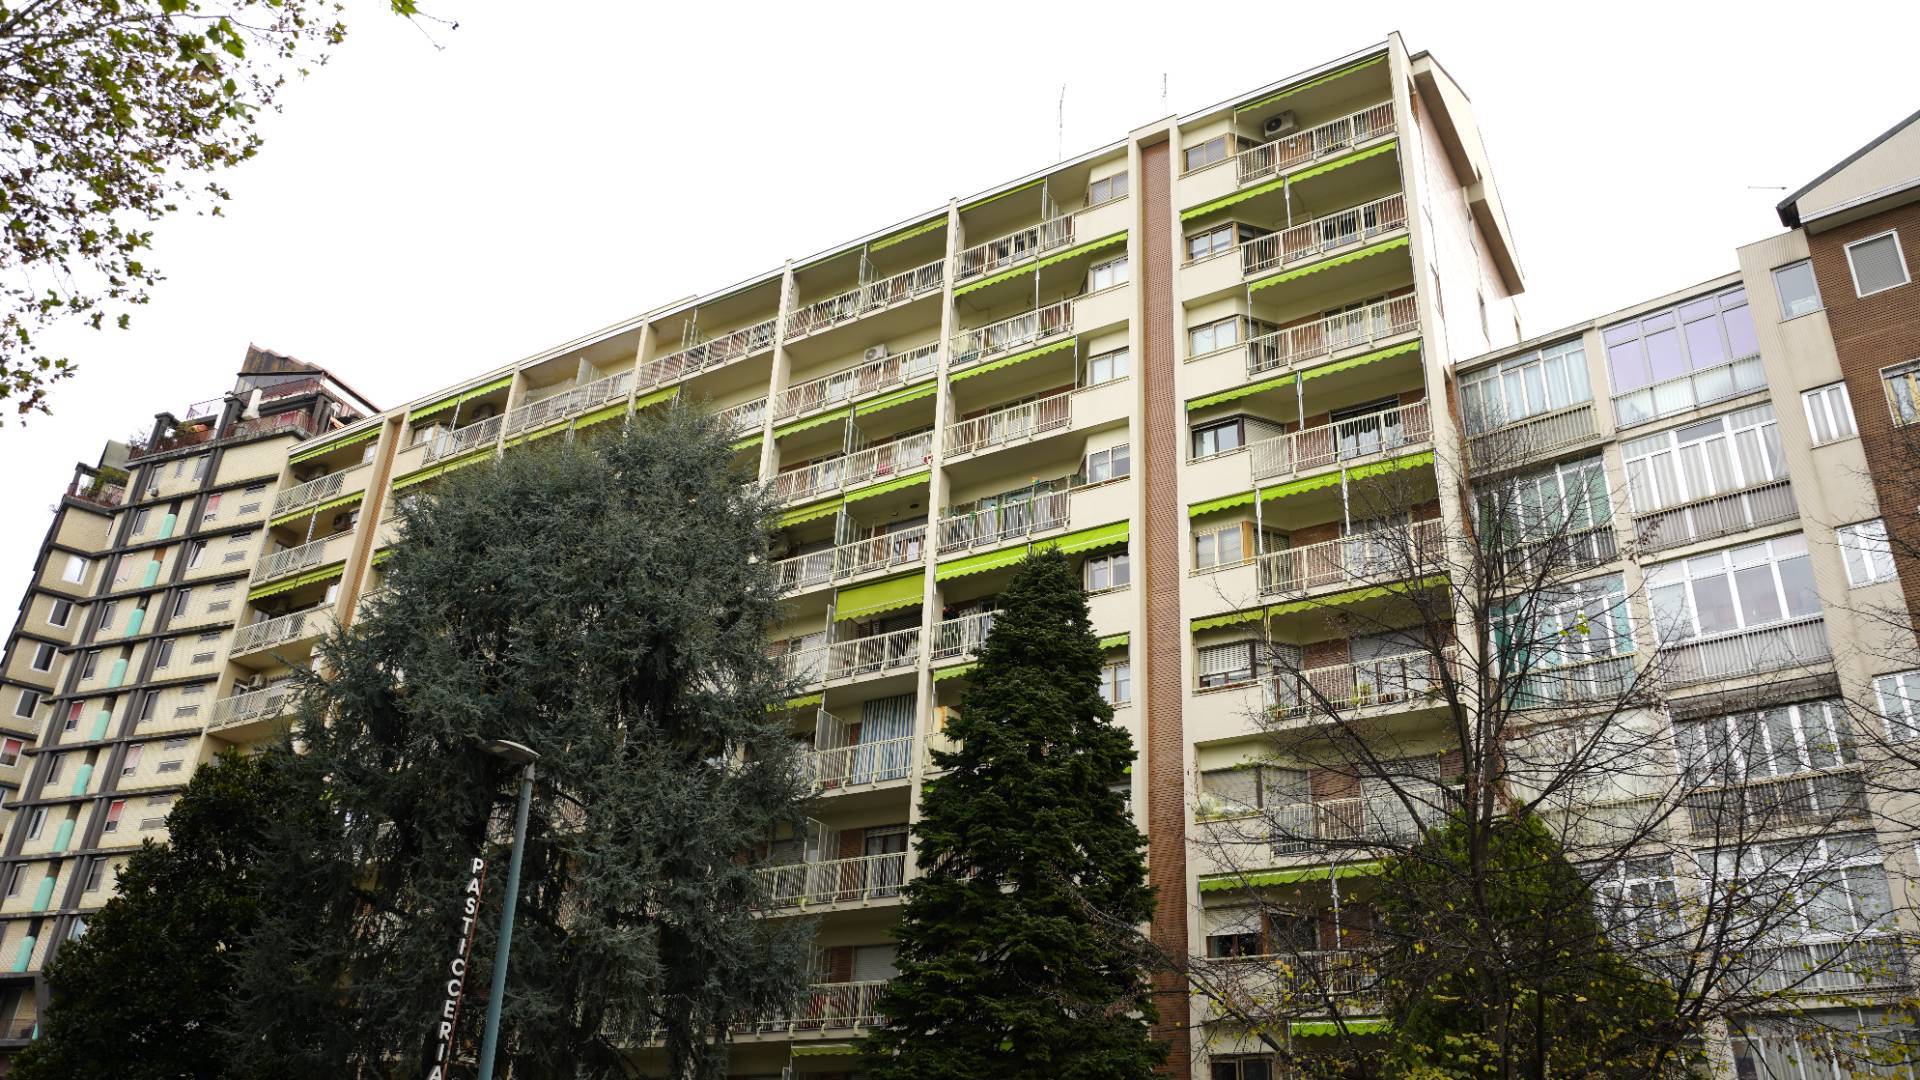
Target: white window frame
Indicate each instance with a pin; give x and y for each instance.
(1252, 667)
(76, 570)
(1116, 272)
(1899, 697)
(36, 822)
(1122, 453)
(60, 613)
(1212, 330)
(1681, 572)
(1899, 256)
(1742, 751)
(1865, 543)
(1207, 553)
(1829, 412)
(1118, 569)
(1115, 363)
(28, 701)
(1116, 188)
(1818, 303)
(1501, 394)
(1755, 429)
(1116, 683)
(43, 650)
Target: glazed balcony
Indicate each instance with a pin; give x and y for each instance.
(1344, 442)
(1009, 425)
(1011, 335)
(814, 569)
(869, 377)
(836, 883)
(571, 403)
(1014, 249)
(1335, 334)
(901, 288)
(1310, 240)
(707, 355)
(1535, 437)
(1363, 558)
(1716, 515)
(1326, 140)
(852, 470)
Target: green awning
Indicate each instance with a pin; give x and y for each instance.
(1360, 361)
(484, 389)
(1073, 252)
(656, 397)
(1366, 1026)
(1004, 194)
(1293, 876)
(864, 601)
(442, 405)
(954, 672)
(1300, 486)
(1354, 596)
(1115, 641)
(1231, 618)
(1299, 87)
(1311, 483)
(1392, 465)
(325, 573)
(428, 473)
(810, 512)
(330, 504)
(354, 439)
(1277, 182)
(804, 700)
(896, 484)
(823, 1049)
(1226, 502)
(1328, 264)
(978, 564)
(598, 416)
(1087, 539)
(552, 428)
(1016, 358)
(898, 397)
(748, 443)
(827, 417)
(1261, 387)
(382, 555)
(908, 234)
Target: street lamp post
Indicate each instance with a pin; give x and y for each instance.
(516, 754)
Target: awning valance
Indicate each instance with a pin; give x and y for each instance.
(1003, 194)
(954, 672)
(1276, 383)
(810, 512)
(1115, 641)
(1087, 539)
(978, 564)
(865, 601)
(1371, 1025)
(330, 504)
(311, 577)
(827, 417)
(909, 233)
(1057, 257)
(1277, 183)
(898, 483)
(1291, 876)
(1310, 84)
(600, 416)
(1361, 360)
(1328, 264)
(898, 397)
(354, 439)
(656, 397)
(1016, 358)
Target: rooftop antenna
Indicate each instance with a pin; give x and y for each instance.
(1060, 126)
(1163, 93)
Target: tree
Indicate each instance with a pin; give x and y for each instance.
(1003, 970)
(607, 606)
(142, 994)
(108, 111)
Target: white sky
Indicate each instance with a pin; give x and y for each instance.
(418, 216)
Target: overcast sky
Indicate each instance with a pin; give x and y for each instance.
(421, 214)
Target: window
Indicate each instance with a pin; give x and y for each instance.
(180, 601)
(76, 571)
(1668, 361)
(131, 762)
(73, 716)
(1207, 153)
(1225, 665)
(1827, 1044)
(114, 810)
(107, 611)
(56, 764)
(1106, 189)
(1225, 546)
(212, 511)
(61, 612)
(1752, 746)
(1214, 336)
(1878, 263)
(1637, 899)
(1109, 464)
(91, 664)
(96, 872)
(1105, 573)
(1247, 788)
(1541, 381)
(43, 654)
(1107, 367)
(1219, 437)
(16, 877)
(10, 752)
(195, 551)
(1728, 453)
(1844, 874)
(1724, 591)
(77, 929)
(1903, 391)
(169, 766)
(1865, 551)
(1215, 241)
(1107, 274)
(1829, 413)
(1799, 293)
(163, 653)
(200, 466)
(147, 705)
(174, 744)
(139, 521)
(1116, 683)
(1241, 1068)
(24, 705)
(36, 822)
(1899, 696)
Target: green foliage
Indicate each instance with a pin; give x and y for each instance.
(113, 114)
(1497, 965)
(1016, 954)
(606, 606)
(142, 994)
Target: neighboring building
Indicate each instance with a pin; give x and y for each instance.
(138, 589)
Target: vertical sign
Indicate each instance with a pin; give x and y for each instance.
(457, 972)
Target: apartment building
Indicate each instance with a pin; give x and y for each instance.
(128, 632)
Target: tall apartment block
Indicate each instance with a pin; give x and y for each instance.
(128, 634)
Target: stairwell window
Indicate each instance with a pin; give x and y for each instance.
(1878, 263)
(1866, 553)
(1799, 292)
(1829, 413)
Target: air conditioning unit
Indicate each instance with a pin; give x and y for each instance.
(258, 682)
(1278, 125)
(875, 352)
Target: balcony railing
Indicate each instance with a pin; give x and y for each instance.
(865, 300)
(1011, 335)
(855, 658)
(713, 353)
(962, 636)
(1345, 441)
(1300, 983)
(835, 474)
(860, 764)
(1796, 643)
(1302, 147)
(477, 434)
(1350, 329)
(1011, 424)
(1776, 802)
(574, 401)
(1312, 239)
(855, 382)
(1525, 440)
(291, 560)
(310, 492)
(1822, 966)
(997, 524)
(1602, 681)
(818, 568)
(277, 631)
(1396, 553)
(1013, 249)
(1716, 515)
(252, 705)
(745, 417)
(1386, 680)
(1313, 826)
(1518, 560)
(825, 1007)
(837, 881)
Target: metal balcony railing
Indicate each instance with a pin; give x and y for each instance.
(1387, 680)
(1525, 440)
(313, 491)
(1716, 515)
(266, 704)
(865, 300)
(1011, 424)
(1323, 235)
(1013, 249)
(1324, 140)
(859, 764)
(1011, 335)
(1300, 982)
(473, 436)
(712, 353)
(836, 881)
(1793, 643)
(745, 417)
(962, 636)
(270, 632)
(291, 560)
(1350, 329)
(1305, 827)
(855, 382)
(1008, 521)
(1824, 966)
(822, 477)
(825, 1007)
(1777, 802)
(818, 568)
(854, 658)
(1601, 680)
(573, 402)
(1346, 441)
(1396, 553)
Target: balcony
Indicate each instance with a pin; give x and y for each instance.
(1009, 336)
(1816, 798)
(853, 659)
(963, 636)
(1009, 521)
(825, 1009)
(1296, 345)
(313, 491)
(472, 437)
(707, 355)
(1322, 236)
(571, 403)
(1322, 141)
(295, 559)
(1691, 391)
(1012, 424)
(268, 633)
(1357, 822)
(1408, 678)
(822, 315)
(1796, 643)
(744, 418)
(1363, 558)
(240, 709)
(1013, 249)
(1345, 442)
(1521, 561)
(838, 474)
(857, 382)
(1862, 963)
(1302, 982)
(1716, 515)
(836, 883)
(818, 568)
(862, 764)
(1526, 441)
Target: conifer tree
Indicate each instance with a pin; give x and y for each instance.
(1010, 965)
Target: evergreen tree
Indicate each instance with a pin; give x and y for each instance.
(1015, 949)
(606, 606)
(141, 995)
